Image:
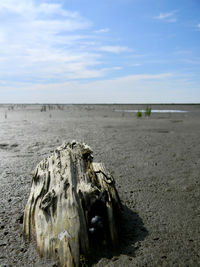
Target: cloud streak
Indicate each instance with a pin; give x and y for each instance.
(168, 16)
(114, 49)
(104, 30)
(45, 41)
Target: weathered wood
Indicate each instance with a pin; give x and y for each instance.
(72, 202)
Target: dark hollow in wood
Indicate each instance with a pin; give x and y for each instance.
(73, 205)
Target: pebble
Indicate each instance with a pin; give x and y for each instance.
(115, 258)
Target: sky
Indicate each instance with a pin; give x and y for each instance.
(108, 51)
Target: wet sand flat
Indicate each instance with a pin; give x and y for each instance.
(155, 162)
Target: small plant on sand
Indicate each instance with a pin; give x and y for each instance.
(147, 111)
(139, 114)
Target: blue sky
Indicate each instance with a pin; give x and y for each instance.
(89, 51)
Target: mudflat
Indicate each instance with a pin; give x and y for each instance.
(154, 160)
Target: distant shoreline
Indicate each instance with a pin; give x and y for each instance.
(137, 104)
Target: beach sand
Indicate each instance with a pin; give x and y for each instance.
(154, 160)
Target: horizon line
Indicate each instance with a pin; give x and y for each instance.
(117, 103)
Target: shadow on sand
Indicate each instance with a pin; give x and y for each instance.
(132, 231)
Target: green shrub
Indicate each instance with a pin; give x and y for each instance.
(147, 111)
(139, 114)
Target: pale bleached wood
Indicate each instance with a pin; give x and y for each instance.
(66, 186)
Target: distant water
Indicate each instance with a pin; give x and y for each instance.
(153, 110)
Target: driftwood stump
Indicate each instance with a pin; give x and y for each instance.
(73, 205)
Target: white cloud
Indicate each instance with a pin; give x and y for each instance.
(198, 25)
(52, 9)
(103, 30)
(42, 40)
(164, 15)
(15, 6)
(114, 49)
(170, 16)
(30, 6)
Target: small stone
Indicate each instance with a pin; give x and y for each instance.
(97, 222)
(14, 145)
(24, 250)
(164, 257)
(168, 189)
(115, 258)
(20, 219)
